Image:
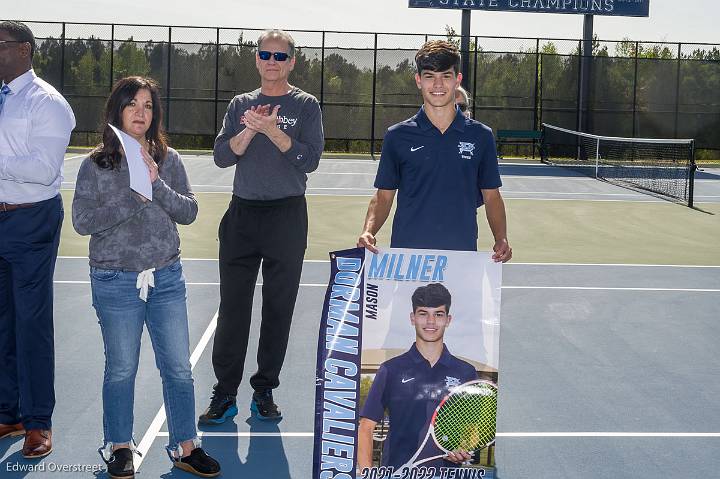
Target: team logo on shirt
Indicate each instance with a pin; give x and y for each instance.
(451, 382)
(466, 147)
(284, 122)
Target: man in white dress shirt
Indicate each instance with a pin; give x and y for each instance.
(35, 126)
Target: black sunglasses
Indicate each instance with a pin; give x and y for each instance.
(278, 56)
(463, 107)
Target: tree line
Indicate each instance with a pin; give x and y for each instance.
(638, 90)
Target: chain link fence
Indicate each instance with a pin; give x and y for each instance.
(365, 81)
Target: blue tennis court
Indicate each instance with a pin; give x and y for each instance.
(606, 370)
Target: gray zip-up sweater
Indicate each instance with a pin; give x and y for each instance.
(263, 172)
(127, 233)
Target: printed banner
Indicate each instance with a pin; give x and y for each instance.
(407, 365)
(619, 8)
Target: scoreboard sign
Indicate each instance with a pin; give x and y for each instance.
(620, 8)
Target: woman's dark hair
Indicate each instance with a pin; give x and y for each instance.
(107, 154)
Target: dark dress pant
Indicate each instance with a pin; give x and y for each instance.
(29, 239)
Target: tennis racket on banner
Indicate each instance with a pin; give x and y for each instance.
(464, 420)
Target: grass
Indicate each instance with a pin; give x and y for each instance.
(539, 231)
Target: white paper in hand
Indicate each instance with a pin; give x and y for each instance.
(139, 173)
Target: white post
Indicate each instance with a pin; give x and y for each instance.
(597, 157)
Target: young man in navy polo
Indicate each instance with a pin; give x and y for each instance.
(443, 167)
(411, 386)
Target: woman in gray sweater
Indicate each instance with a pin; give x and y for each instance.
(136, 275)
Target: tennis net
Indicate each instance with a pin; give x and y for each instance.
(665, 167)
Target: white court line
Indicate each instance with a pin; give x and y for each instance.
(371, 188)
(633, 265)
(536, 164)
(157, 423)
(598, 288)
(369, 161)
(557, 178)
(514, 198)
(629, 265)
(314, 173)
(246, 434)
(366, 195)
(306, 285)
(587, 193)
(499, 434)
(591, 201)
(613, 265)
(341, 188)
(229, 188)
(76, 157)
(608, 434)
(568, 288)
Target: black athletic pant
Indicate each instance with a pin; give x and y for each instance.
(274, 232)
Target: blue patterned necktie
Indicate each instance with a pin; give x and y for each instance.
(4, 91)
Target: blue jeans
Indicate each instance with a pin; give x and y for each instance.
(122, 315)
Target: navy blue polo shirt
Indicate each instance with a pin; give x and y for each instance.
(410, 389)
(438, 177)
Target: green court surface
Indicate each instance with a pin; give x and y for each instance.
(539, 231)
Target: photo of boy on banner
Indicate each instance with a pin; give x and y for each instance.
(410, 386)
(407, 366)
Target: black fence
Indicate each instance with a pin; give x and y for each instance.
(365, 83)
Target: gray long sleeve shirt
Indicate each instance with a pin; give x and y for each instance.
(127, 233)
(263, 172)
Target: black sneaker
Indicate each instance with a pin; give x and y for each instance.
(120, 464)
(264, 407)
(199, 463)
(222, 407)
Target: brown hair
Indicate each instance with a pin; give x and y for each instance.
(107, 154)
(437, 56)
(432, 295)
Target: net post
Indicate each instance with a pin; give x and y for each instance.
(465, 47)
(322, 72)
(217, 79)
(635, 81)
(167, 81)
(597, 158)
(62, 60)
(475, 69)
(677, 89)
(691, 180)
(112, 55)
(374, 97)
